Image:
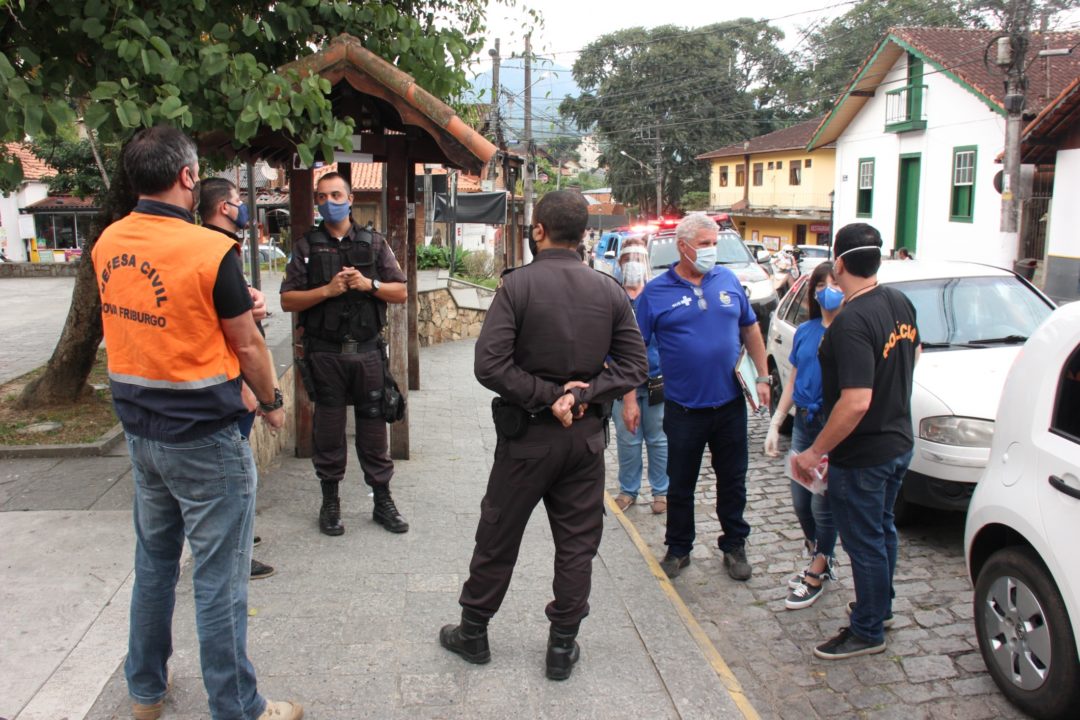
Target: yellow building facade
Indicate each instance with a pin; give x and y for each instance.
(776, 192)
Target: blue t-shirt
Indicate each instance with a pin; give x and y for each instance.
(698, 347)
(804, 356)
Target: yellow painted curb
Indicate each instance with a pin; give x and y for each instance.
(731, 683)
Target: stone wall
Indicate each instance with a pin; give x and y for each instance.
(440, 319)
(266, 445)
(21, 269)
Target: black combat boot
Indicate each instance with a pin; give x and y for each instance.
(469, 639)
(562, 652)
(330, 512)
(386, 512)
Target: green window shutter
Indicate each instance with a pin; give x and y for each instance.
(864, 205)
(962, 205)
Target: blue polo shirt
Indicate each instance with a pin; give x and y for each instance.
(698, 347)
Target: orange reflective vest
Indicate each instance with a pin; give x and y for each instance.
(173, 375)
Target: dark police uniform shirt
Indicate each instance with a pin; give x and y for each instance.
(872, 344)
(296, 277)
(553, 321)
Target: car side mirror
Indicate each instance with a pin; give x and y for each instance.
(609, 255)
(762, 256)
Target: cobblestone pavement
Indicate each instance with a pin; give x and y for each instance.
(931, 668)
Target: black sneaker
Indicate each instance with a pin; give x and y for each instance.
(256, 541)
(888, 622)
(738, 567)
(847, 645)
(260, 570)
(805, 594)
(672, 565)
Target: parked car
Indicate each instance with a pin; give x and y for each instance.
(761, 254)
(1023, 527)
(608, 247)
(972, 320)
(810, 256)
(732, 253)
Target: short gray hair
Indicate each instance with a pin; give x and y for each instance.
(689, 227)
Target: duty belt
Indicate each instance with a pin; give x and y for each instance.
(545, 416)
(345, 348)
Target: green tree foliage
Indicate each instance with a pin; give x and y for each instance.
(77, 172)
(835, 51)
(203, 66)
(688, 91)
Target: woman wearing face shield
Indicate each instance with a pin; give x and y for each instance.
(639, 415)
(803, 390)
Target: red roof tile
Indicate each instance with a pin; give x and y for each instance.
(795, 137)
(33, 169)
(62, 203)
(1043, 135)
(960, 52)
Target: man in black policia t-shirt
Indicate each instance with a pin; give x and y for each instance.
(867, 359)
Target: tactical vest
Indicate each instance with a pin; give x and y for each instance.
(353, 315)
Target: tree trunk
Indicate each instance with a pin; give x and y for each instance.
(64, 379)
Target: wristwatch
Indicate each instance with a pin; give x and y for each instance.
(375, 285)
(762, 379)
(277, 404)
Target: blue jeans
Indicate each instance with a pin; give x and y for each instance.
(204, 490)
(650, 432)
(723, 429)
(813, 511)
(862, 505)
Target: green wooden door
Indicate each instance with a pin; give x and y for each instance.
(907, 201)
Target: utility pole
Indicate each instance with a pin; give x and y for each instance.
(528, 179)
(1011, 56)
(659, 178)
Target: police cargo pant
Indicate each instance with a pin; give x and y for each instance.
(564, 468)
(341, 380)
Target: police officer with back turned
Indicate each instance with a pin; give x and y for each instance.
(340, 279)
(558, 342)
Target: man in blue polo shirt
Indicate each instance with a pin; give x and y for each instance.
(700, 316)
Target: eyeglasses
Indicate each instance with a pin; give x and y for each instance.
(700, 295)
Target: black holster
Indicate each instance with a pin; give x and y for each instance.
(393, 402)
(303, 366)
(511, 421)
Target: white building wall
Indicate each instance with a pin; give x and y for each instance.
(1062, 238)
(955, 117)
(11, 235)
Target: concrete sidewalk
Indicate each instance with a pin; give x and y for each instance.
(349, 625)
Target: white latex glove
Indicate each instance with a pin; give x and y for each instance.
(772, 440)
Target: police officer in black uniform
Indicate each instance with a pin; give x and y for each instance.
(340, 279)
(558, 343)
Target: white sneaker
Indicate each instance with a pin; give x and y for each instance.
(282, 711)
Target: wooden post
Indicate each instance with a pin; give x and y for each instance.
(301, 212)
(415, 224)
(397, 233)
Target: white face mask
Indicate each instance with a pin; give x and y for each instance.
(705, 258)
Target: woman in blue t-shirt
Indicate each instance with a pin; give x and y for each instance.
(803, 390)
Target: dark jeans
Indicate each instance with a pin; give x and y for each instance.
(813, 512)
(723, 430)
(862, 506)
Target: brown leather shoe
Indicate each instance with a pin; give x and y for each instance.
(153, 710)
(659, 505)
(623, 501)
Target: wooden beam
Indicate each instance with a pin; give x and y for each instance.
(416, 224)
(397, 234)
(301, 212)
(862, 93)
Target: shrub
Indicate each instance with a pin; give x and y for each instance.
(478, 264)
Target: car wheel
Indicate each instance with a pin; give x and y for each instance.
(1025, 636)
(775, 388)
(903, 509)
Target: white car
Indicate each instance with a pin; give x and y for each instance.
(972, 320)
(1022, 540)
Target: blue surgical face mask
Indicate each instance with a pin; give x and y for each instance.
(830, 298)
(335, 212)
(241, 220)
(706, 259)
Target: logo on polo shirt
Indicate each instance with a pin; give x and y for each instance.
(685, 301)
(725, 298)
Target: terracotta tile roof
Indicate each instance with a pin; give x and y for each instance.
(33, 169)
(1042, 136)
(795, 137)
(62, 203)
(960, 51)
